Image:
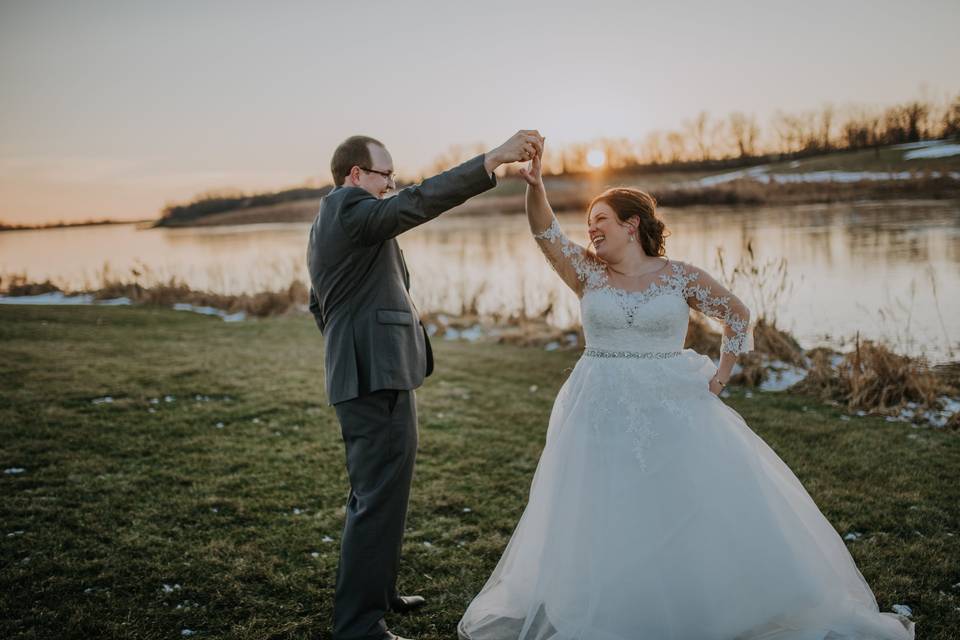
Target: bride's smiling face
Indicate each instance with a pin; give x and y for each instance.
(608, 234)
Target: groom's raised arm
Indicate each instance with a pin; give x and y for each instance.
(369, 220)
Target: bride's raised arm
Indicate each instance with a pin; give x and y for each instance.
(577, 267)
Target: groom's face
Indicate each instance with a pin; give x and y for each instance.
(371, 178)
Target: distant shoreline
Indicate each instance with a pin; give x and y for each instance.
(65, 225)
(743, 193)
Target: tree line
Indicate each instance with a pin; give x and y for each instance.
(739, 137)
(701, 141)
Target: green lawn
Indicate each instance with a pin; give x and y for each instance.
(119, 499)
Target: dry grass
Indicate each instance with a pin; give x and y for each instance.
(873, 378)
(18, 285)
(265, 303)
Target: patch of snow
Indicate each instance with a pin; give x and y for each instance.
(552, 346)
(60, 298)
(938, 151)
(326, 539)
(781, 376)
(56, 297)
(902, 610)
(835, 176)
(753, 172)
(103, 400)
(950, 405)
(917, 145)
(14, 471)
(853, 535)
(211, 311)
(761, 174)
(472, 334)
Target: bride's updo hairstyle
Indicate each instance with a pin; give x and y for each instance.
(628, 202)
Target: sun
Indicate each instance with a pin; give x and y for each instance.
(596, 158)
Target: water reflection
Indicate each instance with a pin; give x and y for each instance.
(847, 263)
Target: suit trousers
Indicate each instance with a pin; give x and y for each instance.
(380, 436)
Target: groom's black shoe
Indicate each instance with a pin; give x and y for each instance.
(406, 604)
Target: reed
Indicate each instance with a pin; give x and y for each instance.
(263, 304)
(18, 285)
(873, 378)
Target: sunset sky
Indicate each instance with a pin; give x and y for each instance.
(111, 109)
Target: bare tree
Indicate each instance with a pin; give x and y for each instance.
(744, 133)
(676, 146)
(456, 154)
(951, 119)
(826, 122)
(698, 131)
(652, 148)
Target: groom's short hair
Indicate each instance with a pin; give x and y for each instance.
(352, 152)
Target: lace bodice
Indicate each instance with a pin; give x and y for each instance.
(653, 319)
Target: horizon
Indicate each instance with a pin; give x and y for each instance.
(114, 111)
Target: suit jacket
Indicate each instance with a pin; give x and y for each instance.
(360, 285)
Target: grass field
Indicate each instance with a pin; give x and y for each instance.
(207, 494)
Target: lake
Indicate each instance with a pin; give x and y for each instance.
(889, 270)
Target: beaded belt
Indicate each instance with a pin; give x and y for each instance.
(604, 353)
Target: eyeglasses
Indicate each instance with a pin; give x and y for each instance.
(389, 175)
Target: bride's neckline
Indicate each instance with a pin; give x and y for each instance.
(650, 285)
(640, 275)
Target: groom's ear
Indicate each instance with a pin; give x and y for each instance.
(353, 177)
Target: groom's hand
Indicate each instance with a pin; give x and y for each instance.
(522, 146)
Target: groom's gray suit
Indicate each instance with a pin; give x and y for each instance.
(377, 352)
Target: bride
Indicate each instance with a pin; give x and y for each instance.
(655, 512)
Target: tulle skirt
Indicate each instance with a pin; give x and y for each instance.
(655, 513)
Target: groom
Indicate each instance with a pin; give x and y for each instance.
(377, 353)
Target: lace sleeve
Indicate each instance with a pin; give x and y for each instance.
(708, 296)
(578, 268)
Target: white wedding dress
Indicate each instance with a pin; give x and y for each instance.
(655, 513)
